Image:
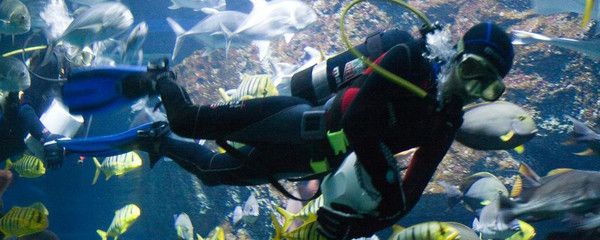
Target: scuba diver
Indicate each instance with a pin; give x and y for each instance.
(291, 137)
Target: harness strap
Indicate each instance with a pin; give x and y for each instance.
(374, 45)
(285, 192)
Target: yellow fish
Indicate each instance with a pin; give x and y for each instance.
(21, 221)
(218, 234)
(252, 86)
(117, 165)
(425, 231)
(123, 219)
(526, 232)
(308, 216)
(27, 166)
(307, 231)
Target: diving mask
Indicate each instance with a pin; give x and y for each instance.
(480, 77)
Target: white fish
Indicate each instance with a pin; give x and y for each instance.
(491, 225)
(590, 48)
(133, 45)
(103, 21)
(184, 227)
(14, 75)
(249, 213)
(198, 5)
(14, 17)
(210, 31)
(238, 213)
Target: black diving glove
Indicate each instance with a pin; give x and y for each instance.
(342, 222)
(146, 84)
(53, 154)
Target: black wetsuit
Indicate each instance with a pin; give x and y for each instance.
(17, 120)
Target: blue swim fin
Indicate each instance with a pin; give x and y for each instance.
(95, 89)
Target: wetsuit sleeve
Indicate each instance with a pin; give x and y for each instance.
(31, 121)
(365, 123)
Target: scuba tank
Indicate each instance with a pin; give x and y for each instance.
(351, 186)
(318, 82)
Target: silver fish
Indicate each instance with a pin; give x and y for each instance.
(133, 45)
(495, 126)
(491, 225)
(198, 5)
(561, 192)
(584, 134)
(590, 48)
(210, 31)
(14, 75)
(477, 191)
(184, 227)
(14, 17)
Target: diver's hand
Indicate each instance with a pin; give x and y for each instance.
(51, 137)
(53, 154)
(341, 222)
(158, 70)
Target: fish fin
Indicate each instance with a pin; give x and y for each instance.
(517, 187)
(524, 37)
(585, 153)
(485, 202)
(581, 131)
(506, 137)
(8, 164)
(199, 237)
(263, 49)
(97, 174)
(258, 3)
(453, 193)
(102, 234)
(228, 38)
(277, 227)
(40, 207)
(108, 177)
(223, 94)
(288, 37)
(532, 178)
(220, 233)
(505, 206)
(94, 27)
(208, 11)
(174, 5)
(179, 32)
(116, 237)
(397, 229)
(287, 216)
(587, 13)
(520, 149)
(569, 142)
(558, 171)
(476, 225)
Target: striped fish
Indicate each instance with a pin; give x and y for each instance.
(27, 166)
(117, 165)
(21, 221)
(308, 216)
(123, 219)
(425, 231)
(217, 234)
(252, 86)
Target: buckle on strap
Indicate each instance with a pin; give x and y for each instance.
(313, 125)
(319, 166)
(338, 141)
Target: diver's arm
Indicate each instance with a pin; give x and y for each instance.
(32, 122)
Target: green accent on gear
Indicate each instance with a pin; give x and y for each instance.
(319, 166)
(29, 49)
(385, 73)
(338, 141)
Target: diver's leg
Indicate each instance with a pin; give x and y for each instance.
(219, 120)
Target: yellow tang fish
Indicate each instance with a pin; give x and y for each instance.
(117, 165)
(252, 86)
(218, 234)
(21, 221)
(425, 231)
(123, 219)
(27, 166)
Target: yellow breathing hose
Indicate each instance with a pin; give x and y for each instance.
(29, 49)
(382, 71)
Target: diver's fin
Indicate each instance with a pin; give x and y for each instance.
(506, 137)
(558, 171)
(98, 167)
(585, 153)
(520, 149)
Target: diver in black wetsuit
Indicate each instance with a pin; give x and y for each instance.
(291, 137)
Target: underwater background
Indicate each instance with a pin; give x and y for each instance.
(547, 81)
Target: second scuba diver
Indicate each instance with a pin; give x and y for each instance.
(288, 137)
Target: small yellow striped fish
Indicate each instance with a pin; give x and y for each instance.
(307, 231)
(308, 216)
(425, 231)
(21, 221)
(252, 86)
(123, 219)
(117, 165)
(27, 166)
(218, 234)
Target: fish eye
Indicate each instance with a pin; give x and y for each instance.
(522, 118)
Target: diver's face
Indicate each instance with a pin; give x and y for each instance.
(480, 79)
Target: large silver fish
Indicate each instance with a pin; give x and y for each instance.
(590, 48)
(100, 22)
(491, 225)
(198, 5)
(132, 50)
(14, 17)
(477, 191)
(496, 126)
(562, 191)
(584, 134)
(210, 31)
(14, 75)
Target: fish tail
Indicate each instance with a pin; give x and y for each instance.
(453, 193)
(277, 227)
(287, 216)
(97, 170)
(102, 234)
(8, 164)
(179, 32)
